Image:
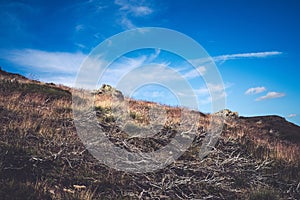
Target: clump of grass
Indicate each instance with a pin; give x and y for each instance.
(137, 116)
(24, 88)
(263, 194)
(12, 189)
(133, 115)
(102, 110)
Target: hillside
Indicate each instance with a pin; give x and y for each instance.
(42, 157)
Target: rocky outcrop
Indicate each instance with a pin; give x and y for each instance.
(109, 90)
(227, 114)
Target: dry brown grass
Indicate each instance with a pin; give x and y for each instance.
(41, 155)
(261, 143)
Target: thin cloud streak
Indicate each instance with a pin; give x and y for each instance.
(292, 115)
(224, 58)
(271, 95)
(255, 90)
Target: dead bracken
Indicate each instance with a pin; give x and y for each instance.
(42, 157)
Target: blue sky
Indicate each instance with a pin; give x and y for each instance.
(255, 45)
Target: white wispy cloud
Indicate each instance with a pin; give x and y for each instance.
(205, 93)
(120, 68)
(132, 7)
(44, 61)
(146, 74)
(209, 100)
(141, 10)
(127, 23)
(255, 90)
(62, 67)
(90, 71)
(64, 79)
(212, 88)
(271, 95)
(82, 46)
(129, 9)
(125, 65)
(224, 58)
(199, 71)
(292, 115)
(58, 67)
(153, 56)
(79, 27)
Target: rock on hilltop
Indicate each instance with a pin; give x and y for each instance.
(109, 90)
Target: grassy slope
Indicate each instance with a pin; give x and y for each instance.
(41, 156)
